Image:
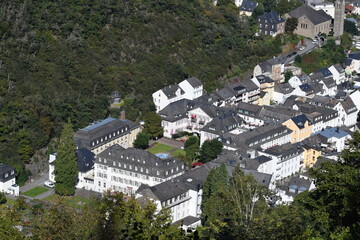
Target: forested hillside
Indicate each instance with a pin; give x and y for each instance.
(62, 59)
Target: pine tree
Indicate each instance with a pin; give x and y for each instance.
(66, 162)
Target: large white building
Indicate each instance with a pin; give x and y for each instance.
(286, 160)
(190, 88)
(105, 133)
(7, 180)
(124, 170)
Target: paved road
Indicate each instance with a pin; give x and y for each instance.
(309, 46)
(38, 182)
(171, 142)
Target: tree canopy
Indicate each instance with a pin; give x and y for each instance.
(141, 141)
(66, 162)
(152, 125)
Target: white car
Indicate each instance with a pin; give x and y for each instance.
(49, 184)
(301, 48)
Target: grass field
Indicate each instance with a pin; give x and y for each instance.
(74, 201)
(179, 152)
(160, 148)
(35, 191)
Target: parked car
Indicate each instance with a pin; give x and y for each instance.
(301, 48)
(49, 184)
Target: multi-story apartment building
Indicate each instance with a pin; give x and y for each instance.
(124, 170)
(105, 133)
(271, 23)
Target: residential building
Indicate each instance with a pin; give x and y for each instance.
(292, 187)
(8, 180)
(336, 138)
(124, 170)
(282, 92)
(240, 91)
(263, 137)
(188, 115)
(266, 85)
(273, 68)
(271, 23)
(229, 122)
(327, 7)
(288, 159)
(105, 133)
(347, 112)
(190, 88)
(247, 8)
(310, 21)
(352, 63)
(311, 154)
(301, 128)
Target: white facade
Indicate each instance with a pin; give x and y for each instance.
(52, 158)
(183, 90)
(355, 97)
(339, 77)
(347, 119)
(285, 166)
(327, 7)
(295, 81)
(126, 181)
(7, 180)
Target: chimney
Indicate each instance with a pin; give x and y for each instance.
(122, 115)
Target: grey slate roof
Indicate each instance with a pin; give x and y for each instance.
(193, 179)
(194, 82)
(301, 120)
(272, 17)
(109, 126)
(264, 79)
(354, 55)
(285, 151)
(170, 91)
(248, 6)
(255, 137)
(187, 221)
(349, 106)
(316, 17)
(284, 88)
(6, 172)
(85, 159)
(223, 123)
(136, 160)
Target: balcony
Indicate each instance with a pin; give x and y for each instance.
(201, 122)
(193, 120)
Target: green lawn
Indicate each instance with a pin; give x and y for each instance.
(179, 152)
(74, 201)
(160, 148)
(35, 191)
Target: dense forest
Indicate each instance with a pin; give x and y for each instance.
(62, 59)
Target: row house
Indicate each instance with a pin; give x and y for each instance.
(124, 170)
(243, 91)
(227, 123)
(266, 85)
(255, 116)
(105, 133)
(273, 68)
(263, 137)
(190, 88)
(286, 159)
(181, 195)
(282, 92)
(300, 126)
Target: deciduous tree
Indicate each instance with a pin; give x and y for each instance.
(141, 141)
